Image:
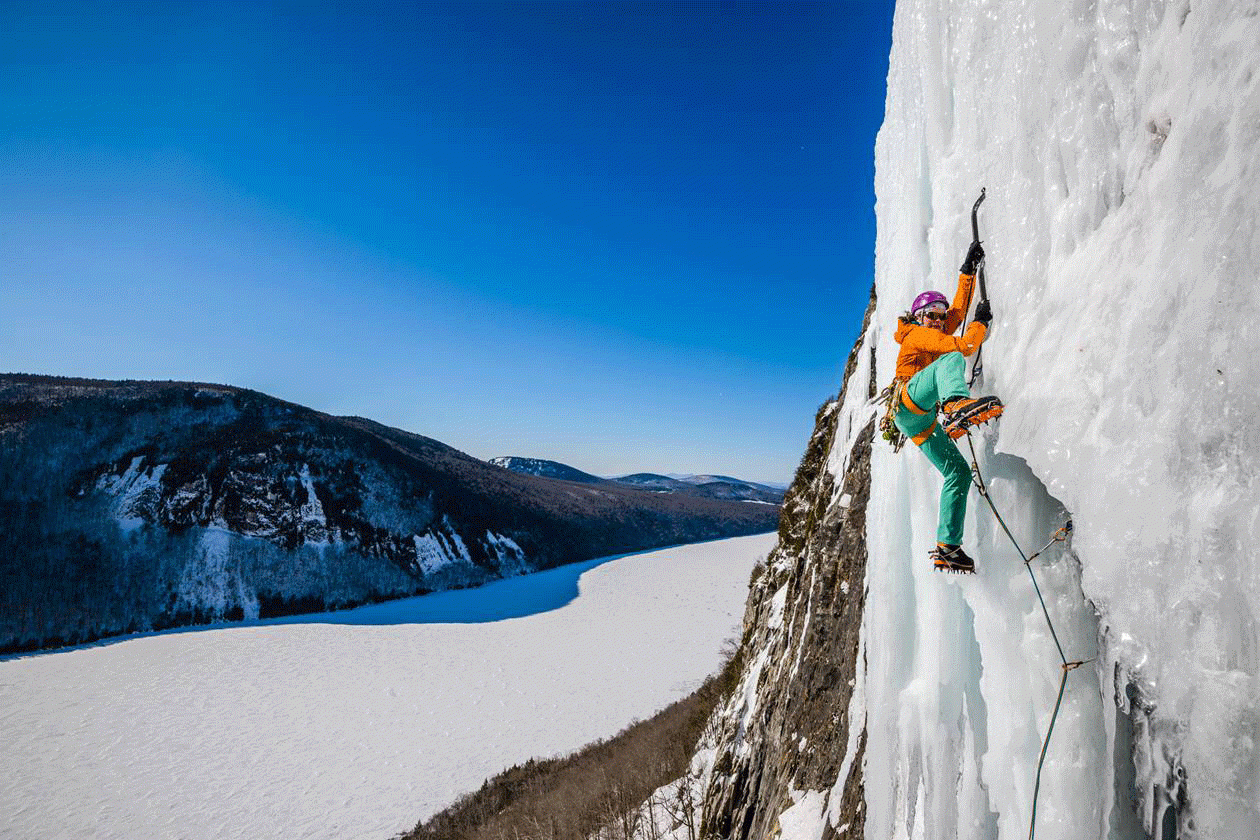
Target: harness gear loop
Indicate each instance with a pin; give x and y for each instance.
(894, 397)
(891, 398)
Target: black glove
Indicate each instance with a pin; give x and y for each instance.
(974, 255)
(983, 313)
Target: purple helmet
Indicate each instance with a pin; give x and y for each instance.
(927, 299)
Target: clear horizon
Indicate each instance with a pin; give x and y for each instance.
(626, 237)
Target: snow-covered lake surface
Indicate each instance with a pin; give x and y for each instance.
(356, 724)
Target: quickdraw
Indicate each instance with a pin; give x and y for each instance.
(891, 398)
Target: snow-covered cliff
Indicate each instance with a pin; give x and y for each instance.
(134, 506)
(1119, 143)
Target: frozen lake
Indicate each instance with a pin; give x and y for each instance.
(356, 724)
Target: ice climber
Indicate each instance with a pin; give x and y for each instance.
(930, 373)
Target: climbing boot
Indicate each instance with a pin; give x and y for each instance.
(951, 558)
(961, 413)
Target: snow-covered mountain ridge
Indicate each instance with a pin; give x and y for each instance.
(713, 487)
(545, 468)
(133, 506)
(1120, 147)
(708, 486)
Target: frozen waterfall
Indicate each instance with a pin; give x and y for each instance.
(1120, 146)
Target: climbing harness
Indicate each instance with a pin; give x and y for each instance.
(977, 367)
(1060, 535)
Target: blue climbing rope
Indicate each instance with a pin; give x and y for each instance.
(1060, 535)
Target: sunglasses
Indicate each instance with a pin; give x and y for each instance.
(933, 316)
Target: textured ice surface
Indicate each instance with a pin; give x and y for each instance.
(1120, 146)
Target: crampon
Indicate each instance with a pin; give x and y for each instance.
(951, 558)
(963, 413)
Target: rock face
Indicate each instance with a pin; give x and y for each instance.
(787, 726)
(1118, 145)
(134, 506)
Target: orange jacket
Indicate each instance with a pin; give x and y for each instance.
(920, 345)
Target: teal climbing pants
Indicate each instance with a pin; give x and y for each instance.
(939, 382)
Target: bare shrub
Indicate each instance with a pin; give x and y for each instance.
(604, 790)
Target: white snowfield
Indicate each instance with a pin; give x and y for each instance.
(1120, 146)
(356, 724)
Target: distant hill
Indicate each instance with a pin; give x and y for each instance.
(707, 486)
(710, 479)
(546, 469)
(702, 486)
(139, 505)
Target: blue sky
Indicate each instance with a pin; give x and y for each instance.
(626, 236)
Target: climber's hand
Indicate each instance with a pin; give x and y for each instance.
(974, 255)
(984, 314)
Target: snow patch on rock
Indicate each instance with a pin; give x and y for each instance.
(314, 524)
(136, 492)
(777, 603)
(211, 581)
(511, 557)
(804, 819)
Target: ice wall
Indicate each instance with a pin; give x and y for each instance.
(1120, 146)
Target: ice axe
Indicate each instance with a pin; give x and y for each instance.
(977, 367)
